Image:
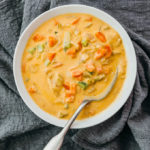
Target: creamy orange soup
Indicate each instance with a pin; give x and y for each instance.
(69, 57)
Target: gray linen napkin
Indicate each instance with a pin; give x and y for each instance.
(129, 129)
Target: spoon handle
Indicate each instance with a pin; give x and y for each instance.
(56, 142)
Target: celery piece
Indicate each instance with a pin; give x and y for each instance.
(89, 81)
(56, 32)
(66, 106)
(99, 78)
(40, 48)
(87, 74)
(45, 44)
(31, 50)
(84, 43)
(67, 45)
(59, 80)
(57, 83)
(83, 85)
(59, 26)
(67, 41)
(91, 73)
(27, 79)
(47, 62)
(65, 49)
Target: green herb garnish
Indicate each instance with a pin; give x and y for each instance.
(40, 48)
(31, 50)
(47, 62)
(84, 43)
(83, 85)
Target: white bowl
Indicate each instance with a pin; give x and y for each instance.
(131, 65)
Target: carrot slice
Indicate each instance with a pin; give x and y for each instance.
(67, 85)
(68, 94)
(71, 51)
(75, 21)
(77, 73)
(38, 38)
(51, 56)
(100, 36)
(69, 97)
(79, 78)
(52, 41)
(73, 88)
(80, 45)
(89, 19)
(56, 22)
(32, 90)
(23, 68)
(100, 53)
(90, 66)
(109, 51)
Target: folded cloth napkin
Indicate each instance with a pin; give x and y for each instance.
(129, 129)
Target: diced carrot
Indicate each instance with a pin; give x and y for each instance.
(90, 66)
(23, 68)
(68, 94)
(73, 56)
(56, 22)
(38, 38)
(77, 73)
(60, 49)
(73, 88)
(71, 51)
(51, 56)
(80, 45)
(89, 19)
(109, 51)
(79, 78)
(67, 85)
(100, 53)
(75, 21)
(100, 36)
(99, 69)
(52, 41)
(32, 90)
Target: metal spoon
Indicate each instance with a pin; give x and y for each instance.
(56, 142)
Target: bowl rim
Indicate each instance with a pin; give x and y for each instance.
(128, 83)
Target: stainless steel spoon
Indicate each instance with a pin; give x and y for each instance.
(56, 142)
